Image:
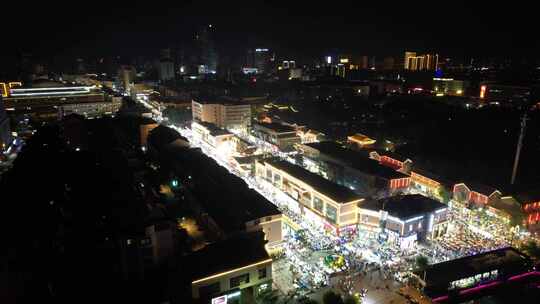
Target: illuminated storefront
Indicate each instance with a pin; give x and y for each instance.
(476, 195)
(331, 206)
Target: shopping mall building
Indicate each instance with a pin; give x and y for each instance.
(323, 202)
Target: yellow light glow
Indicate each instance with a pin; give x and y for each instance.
(3, 87)
(306, 186)
(459, 92)
(483, 91)
(230, 271)
(439, 94)
(344, 60)
(15, 84)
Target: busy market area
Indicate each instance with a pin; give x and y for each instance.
(370, 261)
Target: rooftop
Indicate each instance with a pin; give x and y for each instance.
(276, 127)
(224, 100)
(362, 138)
(213, 129)
(338, 193)
(225, 197)
(233, 253)
(480, 188)
(445, 272)
(404, 206)
(246, 160)
(528, 196)
(355, 159)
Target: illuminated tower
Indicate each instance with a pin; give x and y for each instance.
(408, 56)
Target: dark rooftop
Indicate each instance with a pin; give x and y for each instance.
(528, 196)
(225, 197)
(214, 130)
(245, 160)
(224, 100)
(404, 206)
(276, 127)
(235, 252)
(338, 193)
(445, 272)
(356, 159)
(480, 188)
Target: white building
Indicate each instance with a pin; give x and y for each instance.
(225, 114)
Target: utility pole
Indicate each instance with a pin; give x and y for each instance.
(519, 145)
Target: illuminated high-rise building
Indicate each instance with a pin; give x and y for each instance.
(126, 75)
(205, 46)
(432, 61)
(426, 62)
(407, 60)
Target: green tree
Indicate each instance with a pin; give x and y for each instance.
(351, 300)
(421, 263)
(268, 296)
(330, 297)
(444, 194)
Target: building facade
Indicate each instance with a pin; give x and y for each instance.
(332, 206)
(284, 137)
(404, 219)
(475, 195)
(224, 115)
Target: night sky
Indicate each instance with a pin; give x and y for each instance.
(115, 27)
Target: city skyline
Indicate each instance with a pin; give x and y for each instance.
(457, 30)
(302, 153)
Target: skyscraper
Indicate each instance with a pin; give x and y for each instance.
(426, 62)
(407, 60)
(205, 46)
(166, 70)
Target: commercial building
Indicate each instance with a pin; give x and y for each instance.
(392, 160)
(51, 100)
(426, 182)
(260, 59)
(236, 269)
(475, 194)
(126, 76)
(352, 169)
(282, 136)
(361, 140)
(449, 86)
(404, 219)
(504, 94)
(530, 202)
(330, 205)
(224, 114)
(454, 280)
(210, 134)
(221, 201)
(416, 62)
(245, 164)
